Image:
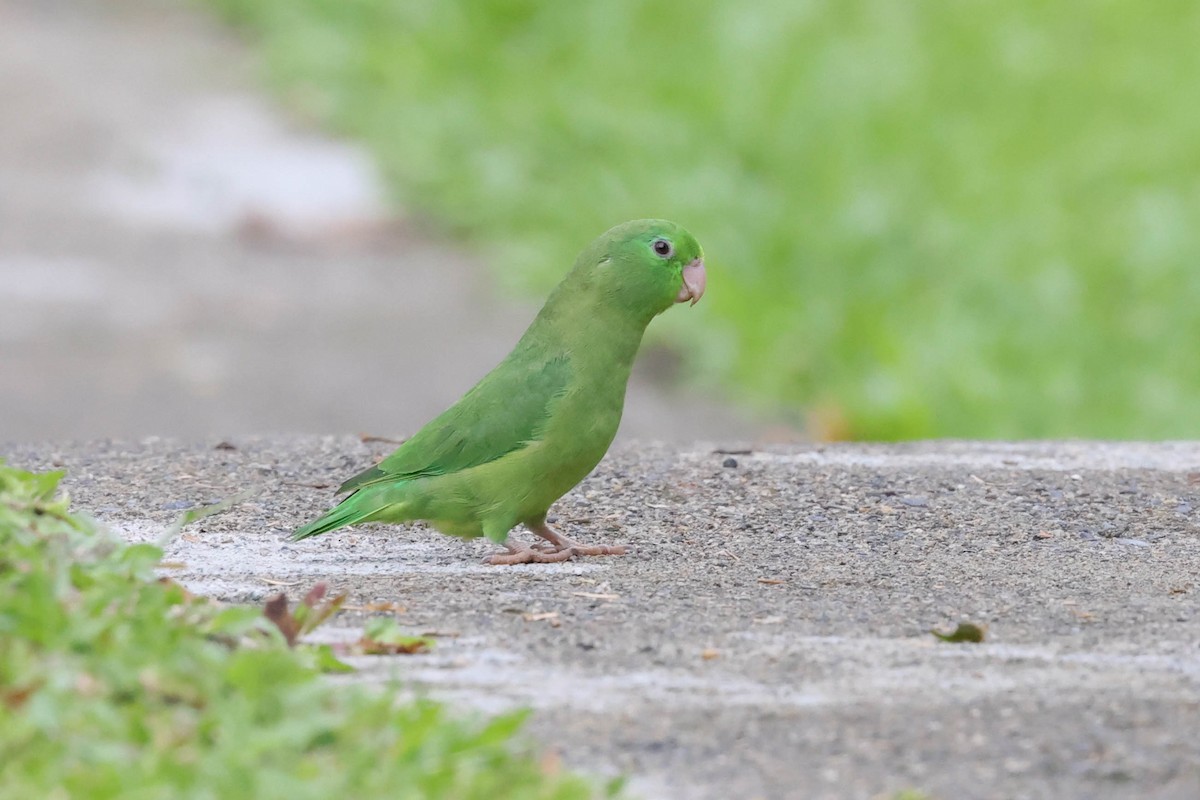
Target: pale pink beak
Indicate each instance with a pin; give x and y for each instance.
(693, 282)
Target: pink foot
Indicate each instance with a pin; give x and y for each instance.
(524, 554)
(560, 543)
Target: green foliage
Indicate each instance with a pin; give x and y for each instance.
(942, 218)
(115, 684)
(964, 632)
(383, 636)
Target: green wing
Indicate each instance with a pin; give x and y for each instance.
(504, 412)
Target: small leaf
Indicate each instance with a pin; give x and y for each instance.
(309, 614)
(405, 645)
(615, 786)
(45, 484)
(965, 632)
(315, 594)
(325, 660)
(276, 610)
(312, 613)
(502, 728)
(140, 557)
(233, 621)
(384, 637)
(178, 593)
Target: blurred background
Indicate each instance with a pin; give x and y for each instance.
(935, 220)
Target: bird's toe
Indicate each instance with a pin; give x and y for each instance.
(524, 554)
(600, 549)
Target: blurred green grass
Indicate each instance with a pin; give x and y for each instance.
(926, 219)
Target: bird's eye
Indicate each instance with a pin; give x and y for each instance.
(663, 248)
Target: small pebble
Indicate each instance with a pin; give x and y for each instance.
(729, 463)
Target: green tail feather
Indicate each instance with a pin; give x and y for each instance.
(344, 513)
(365, 505)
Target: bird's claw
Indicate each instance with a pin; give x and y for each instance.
(524, 554)
(559, 542)
(549, 554)
(598, 549)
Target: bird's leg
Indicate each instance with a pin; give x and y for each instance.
(562, 544)
(521, 553)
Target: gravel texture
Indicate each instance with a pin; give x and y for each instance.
(769, 636)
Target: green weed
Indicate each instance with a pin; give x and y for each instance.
(116, 684)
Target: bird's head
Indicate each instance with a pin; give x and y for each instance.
(645, 266)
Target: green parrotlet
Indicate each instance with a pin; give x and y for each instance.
(539, 422)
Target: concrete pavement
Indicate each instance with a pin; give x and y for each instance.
(769, 637)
